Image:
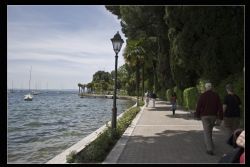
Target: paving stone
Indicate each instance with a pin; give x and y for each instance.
(158, 137)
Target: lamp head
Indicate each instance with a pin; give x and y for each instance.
(117, 42)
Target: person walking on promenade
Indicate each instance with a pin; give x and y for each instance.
(231, 110)
(209, 108)
(173, 102)
(153, 98)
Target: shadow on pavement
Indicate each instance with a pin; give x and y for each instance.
(173, 146)
(188, 116)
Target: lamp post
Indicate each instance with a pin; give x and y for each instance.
(117, 42)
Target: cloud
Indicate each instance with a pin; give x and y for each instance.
(78, 45)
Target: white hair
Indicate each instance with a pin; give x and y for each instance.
(208, 86)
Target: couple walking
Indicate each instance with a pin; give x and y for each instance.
(210, 110)
(150, 96)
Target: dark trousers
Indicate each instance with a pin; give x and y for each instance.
(208, 124)
(174, 108)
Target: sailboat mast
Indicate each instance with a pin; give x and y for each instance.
(30, 77)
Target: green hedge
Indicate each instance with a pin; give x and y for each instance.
(179, 94)
(201, 85)
(169, 93)
(190, 97)
(185, 99)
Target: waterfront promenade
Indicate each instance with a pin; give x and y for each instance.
(156, 136)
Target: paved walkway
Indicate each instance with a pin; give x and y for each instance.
(159, 137)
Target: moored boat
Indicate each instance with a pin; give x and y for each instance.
(28, 97)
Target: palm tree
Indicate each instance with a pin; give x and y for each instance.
(134, 56)
(83, 87)
(79, 85)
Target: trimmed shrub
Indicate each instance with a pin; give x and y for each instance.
(190, 97)
(185, 99)
(201, 85)
(71, 157)
(179, 94)
(141, 103)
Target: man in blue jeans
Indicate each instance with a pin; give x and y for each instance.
(208, 109)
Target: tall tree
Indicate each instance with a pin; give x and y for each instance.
(204, 42)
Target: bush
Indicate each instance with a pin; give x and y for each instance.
(178, 92)
(190, 97)
(141, 103)
(201, 85)
(71, 157)
(122, 92)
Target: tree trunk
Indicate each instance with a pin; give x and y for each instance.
(142, 82)
(137, 81)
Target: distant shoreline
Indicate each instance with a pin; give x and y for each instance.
(82, 95)
(47, 89)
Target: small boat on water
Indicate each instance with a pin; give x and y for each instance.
(109, 96)
(28, 97)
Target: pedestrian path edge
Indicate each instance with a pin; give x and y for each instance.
(115, 153)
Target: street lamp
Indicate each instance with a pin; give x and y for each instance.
(117, 42)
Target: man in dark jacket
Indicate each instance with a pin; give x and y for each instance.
(208, 109)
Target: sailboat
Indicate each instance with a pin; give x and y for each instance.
(29, 97)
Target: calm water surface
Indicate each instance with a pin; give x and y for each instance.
(40, 129)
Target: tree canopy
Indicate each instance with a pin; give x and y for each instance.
(183, 44)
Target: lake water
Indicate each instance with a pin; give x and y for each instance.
(38, 130)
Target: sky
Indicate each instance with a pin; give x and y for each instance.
(64, 44)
